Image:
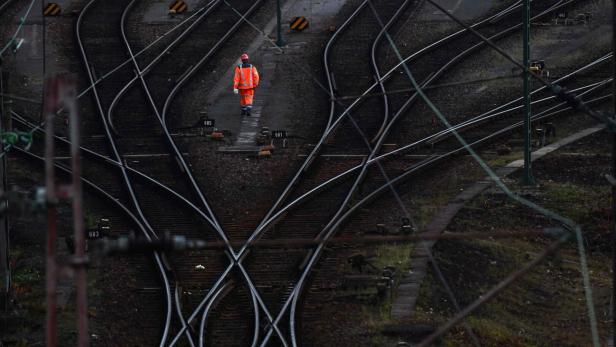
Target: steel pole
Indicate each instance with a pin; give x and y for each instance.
(527, 178)
(70, 101)
(5, 270)
(613, 175)
(279, 41)
(51, 99)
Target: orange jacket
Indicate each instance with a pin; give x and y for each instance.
(246, 77)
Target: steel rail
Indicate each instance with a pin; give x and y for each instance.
(316, 253)
(377, 71)
(438, 158)
(314, 256)
(243, 251)
(180, 314)
(135, 172)
(179, 156)
(332, 125)
(359, 179)
(177, 87)
(385, 77)
(112, 162)
(309, 194)
(143, 50)
(386, 187)
(220, 293)
(156, 183)
(133, 56)
(604, 59)
(120, 206)
(150, 231)
(329, 124)
(477, 121)
(270, 219)
(140, 75)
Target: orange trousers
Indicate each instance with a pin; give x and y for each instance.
(246, 96)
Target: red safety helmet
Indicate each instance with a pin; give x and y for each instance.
(245, 56)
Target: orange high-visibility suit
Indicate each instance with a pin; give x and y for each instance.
(246, 79)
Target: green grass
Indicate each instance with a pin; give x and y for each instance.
(576, 202)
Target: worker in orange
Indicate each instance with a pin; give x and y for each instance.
(245, 81)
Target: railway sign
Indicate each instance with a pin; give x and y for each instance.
(102, 228)
(299, 23)
(208, 123)
(178, 6)
(562, 15)
(93, 234)
(52, 9)
(279, 134)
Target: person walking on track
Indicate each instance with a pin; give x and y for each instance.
(245, 81)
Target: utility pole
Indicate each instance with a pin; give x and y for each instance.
(527, 178)
(80, 261)
(279, 41)
(5, 272)
(60, 91)
(51, 102)
(613, 174)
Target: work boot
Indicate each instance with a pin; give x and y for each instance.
(243, 111)
(248, 113)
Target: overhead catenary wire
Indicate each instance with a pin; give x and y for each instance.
(570, 98)
(550, 214)
(282, 51)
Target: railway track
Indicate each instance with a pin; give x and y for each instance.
(160, 212)
(315, 185)
(329, 229)
(152, 208)
(103, 90)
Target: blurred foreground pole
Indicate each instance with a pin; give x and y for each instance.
(613, 175)
(279, 40)
(60, 91)
(51, 104)
(80, 260)
(5, 271)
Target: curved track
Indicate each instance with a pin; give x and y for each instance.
(136, 104)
